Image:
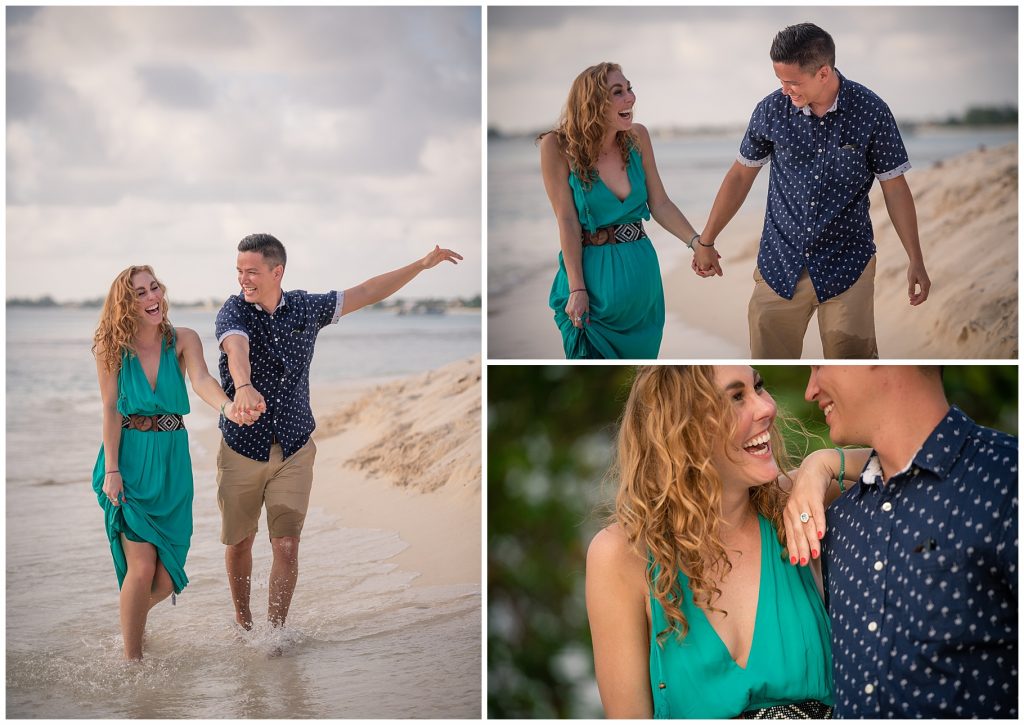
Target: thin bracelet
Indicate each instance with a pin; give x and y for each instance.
(109, 472)
(580, 289)
(842, 469)
(239, 387)
(701, 242)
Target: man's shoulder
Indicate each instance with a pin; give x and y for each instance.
(775, 103)
(866, 98)
(233, 303)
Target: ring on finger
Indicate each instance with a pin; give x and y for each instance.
(804, 517)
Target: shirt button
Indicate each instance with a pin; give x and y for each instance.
(878, 565)
(821, 123)
(887, 506)
(807, 254)
(869, 688)
(813, 203)
(872, 626)
(815, 176)
(820, 150)
(279, 400)
(808, 229)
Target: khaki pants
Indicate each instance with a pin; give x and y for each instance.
(846, 322)
(244, 485)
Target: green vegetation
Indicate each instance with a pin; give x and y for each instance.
(550, 439)
(986, 116)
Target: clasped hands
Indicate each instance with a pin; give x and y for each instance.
(705, 260)
(247, 406)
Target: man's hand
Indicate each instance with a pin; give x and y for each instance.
(917, 277)
(248, 405)
(439, 255)
(705, 261)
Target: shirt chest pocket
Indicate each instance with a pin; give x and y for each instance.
(935, 599)
(851, 160)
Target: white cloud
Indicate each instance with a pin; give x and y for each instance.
(169, 133)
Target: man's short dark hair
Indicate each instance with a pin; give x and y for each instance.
(267, 245)
(806, 45)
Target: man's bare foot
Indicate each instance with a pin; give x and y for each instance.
(244, 620)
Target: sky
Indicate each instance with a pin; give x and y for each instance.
(709, 66)
(163, 136)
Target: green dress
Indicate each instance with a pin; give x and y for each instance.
(790, 658)
(156, 469)
(627, 304)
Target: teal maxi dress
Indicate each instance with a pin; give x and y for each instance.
(790, 658)
(156, 469)
(627, 303)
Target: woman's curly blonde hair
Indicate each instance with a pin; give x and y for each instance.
(670, 495)
(582, 126)
(119, 319)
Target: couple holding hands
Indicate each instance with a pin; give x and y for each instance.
(143, 473)
(827, 139)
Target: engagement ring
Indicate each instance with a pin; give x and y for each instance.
(805, 517)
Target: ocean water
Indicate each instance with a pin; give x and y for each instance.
(523, 234)
(363, 638)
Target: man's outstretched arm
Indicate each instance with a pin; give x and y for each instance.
(900, 204)
(384, 285)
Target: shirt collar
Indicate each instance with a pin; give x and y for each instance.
(282, 303)
(937, 454)
(806, 110)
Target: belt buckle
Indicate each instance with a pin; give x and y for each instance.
(601, 236)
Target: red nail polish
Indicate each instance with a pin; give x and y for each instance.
(792, 560)
(803, 561)
(821, 535)
(814, 553)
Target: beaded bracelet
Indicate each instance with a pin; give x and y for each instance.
(842, 469)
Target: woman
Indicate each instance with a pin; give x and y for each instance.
(143, 474)
(695, 608)
(602, 181)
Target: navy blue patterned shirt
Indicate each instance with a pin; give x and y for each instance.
(921, 581)
(821, 172)
(280, 352)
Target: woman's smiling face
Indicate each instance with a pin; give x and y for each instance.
(746, 458)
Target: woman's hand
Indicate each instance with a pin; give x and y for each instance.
(807, 496)
(113, 488)
(439, 255)
(705, 261)
(578, 308)
(244, 416)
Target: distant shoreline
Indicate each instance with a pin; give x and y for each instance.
(417, 306)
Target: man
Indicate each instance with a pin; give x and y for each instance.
(266, 338)
(827, 139)
(920, 563)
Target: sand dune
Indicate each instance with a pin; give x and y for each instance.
(405, 455)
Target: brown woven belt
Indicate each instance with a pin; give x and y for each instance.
(614, 234)
(155, 423)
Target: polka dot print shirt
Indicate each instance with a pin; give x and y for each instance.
(821, 172)
(921, 581)
(280, 353)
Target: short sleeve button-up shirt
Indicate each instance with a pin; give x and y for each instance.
(921, 578)
(821, 172)
(280, 353)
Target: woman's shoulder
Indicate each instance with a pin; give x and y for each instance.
(551, 145)
(610, 547)
(185, 337)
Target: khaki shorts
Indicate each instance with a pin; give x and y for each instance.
(846, 322)
(243, 485)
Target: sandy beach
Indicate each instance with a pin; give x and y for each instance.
(967, 215)
(404, 455)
